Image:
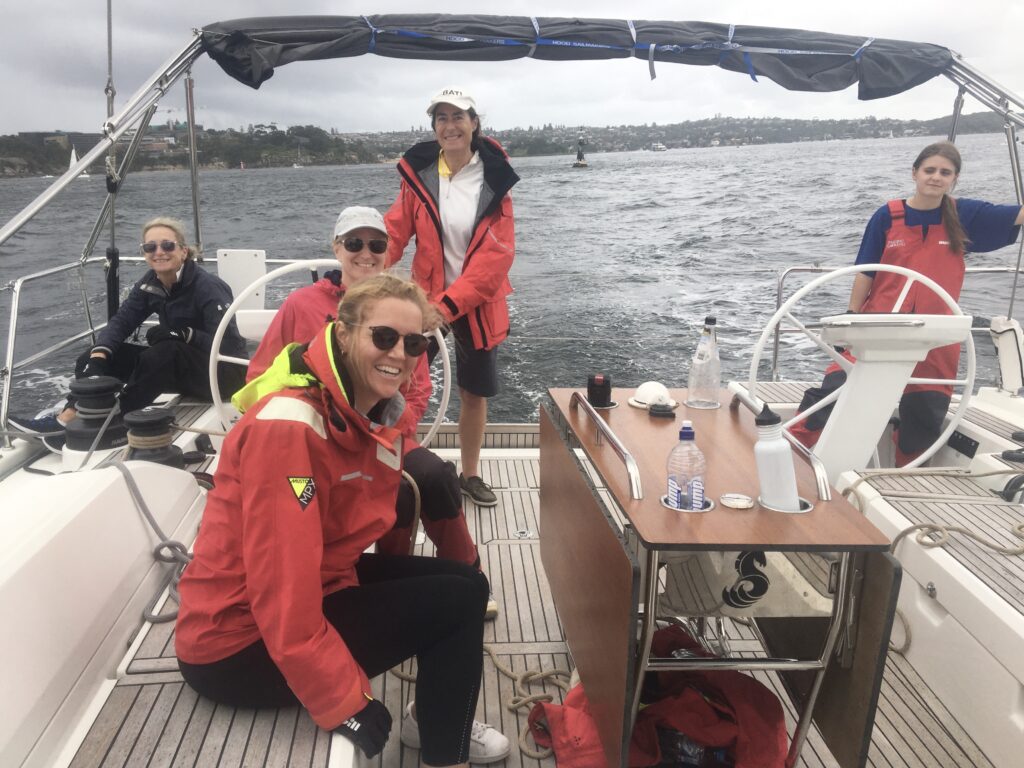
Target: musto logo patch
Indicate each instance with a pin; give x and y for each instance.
(304, 489)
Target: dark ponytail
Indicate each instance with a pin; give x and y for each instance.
(950, 218)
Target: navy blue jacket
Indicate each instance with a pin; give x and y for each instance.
(197, 301)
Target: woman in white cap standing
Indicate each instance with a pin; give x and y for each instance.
(455, 200)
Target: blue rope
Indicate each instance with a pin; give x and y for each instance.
(857, 54)
(644, 49)
(373, 35)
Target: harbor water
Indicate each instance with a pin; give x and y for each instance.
(616, 266)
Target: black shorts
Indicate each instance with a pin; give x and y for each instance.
(476, 370)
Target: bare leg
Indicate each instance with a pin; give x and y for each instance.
(472, 421)
(66, 415)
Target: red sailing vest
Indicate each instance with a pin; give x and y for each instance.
(931, 256)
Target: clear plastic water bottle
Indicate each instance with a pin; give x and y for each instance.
(774, 458)
(686, 469)
(705, 370)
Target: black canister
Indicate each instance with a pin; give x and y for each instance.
(599, 390)
(94, 398)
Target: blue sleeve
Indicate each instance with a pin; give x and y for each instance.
(989, 227)
(872, 245)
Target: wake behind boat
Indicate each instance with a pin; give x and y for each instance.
(75, 563)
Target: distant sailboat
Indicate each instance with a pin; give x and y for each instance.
(74, 161)
(581, 160)
(298, 158)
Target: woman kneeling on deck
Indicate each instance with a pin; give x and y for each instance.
(359, 242)
(281, 603)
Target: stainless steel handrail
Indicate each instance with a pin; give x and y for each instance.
(869, 322)
(10, 366)
(636, 490)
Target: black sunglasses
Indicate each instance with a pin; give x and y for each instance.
(385, 337)
(167, 246)
(355, 245)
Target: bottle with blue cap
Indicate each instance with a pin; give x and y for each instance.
(686, 469)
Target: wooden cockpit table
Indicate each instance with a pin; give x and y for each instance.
(600, 491)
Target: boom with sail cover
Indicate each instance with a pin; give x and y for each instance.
(799, 60)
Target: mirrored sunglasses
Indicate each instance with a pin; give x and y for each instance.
(384, 338)
(355, 245)
(167, 246)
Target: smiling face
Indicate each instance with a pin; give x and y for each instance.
(165, 264)
(377, 374)
(364, 263)
(933, 178)
(454, 128)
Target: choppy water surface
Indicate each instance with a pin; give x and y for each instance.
(616, 265)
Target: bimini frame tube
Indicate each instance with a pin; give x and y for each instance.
(147, 96)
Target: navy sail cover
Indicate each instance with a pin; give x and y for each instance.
(799, 60)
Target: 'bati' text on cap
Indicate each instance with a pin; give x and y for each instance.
(457, 97)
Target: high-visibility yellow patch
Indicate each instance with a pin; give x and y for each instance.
(304, 489)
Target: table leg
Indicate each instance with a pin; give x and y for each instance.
(647, 628)
(835, 624)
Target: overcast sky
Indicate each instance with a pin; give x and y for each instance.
(54, 65)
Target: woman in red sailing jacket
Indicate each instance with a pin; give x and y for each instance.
(359, 243)
(929, 232)
(280, 603)
(455, 200)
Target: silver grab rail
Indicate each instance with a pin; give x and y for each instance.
(866, 321)
(636, 490)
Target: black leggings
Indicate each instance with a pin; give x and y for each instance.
(404, 606)
(170, 366)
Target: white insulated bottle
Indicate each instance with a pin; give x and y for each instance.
(774, 456)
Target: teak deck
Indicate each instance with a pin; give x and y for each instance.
(152, 719)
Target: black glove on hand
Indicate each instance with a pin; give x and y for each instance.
(368, 728)
(159, 333)
(96, 366)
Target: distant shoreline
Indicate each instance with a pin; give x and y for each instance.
(165, 147)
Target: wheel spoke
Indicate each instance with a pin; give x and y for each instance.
(828, 349)
(825, 402)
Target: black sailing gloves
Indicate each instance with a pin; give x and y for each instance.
(96, 366)
(368, 728)
(159, 333)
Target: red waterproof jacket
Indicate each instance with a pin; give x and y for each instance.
(302, 316)
(479, 292)
(305, 484)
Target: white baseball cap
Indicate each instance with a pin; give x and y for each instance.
(357, 216)
(457, 97)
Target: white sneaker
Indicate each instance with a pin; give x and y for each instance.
(491, 612)
(486, 744)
